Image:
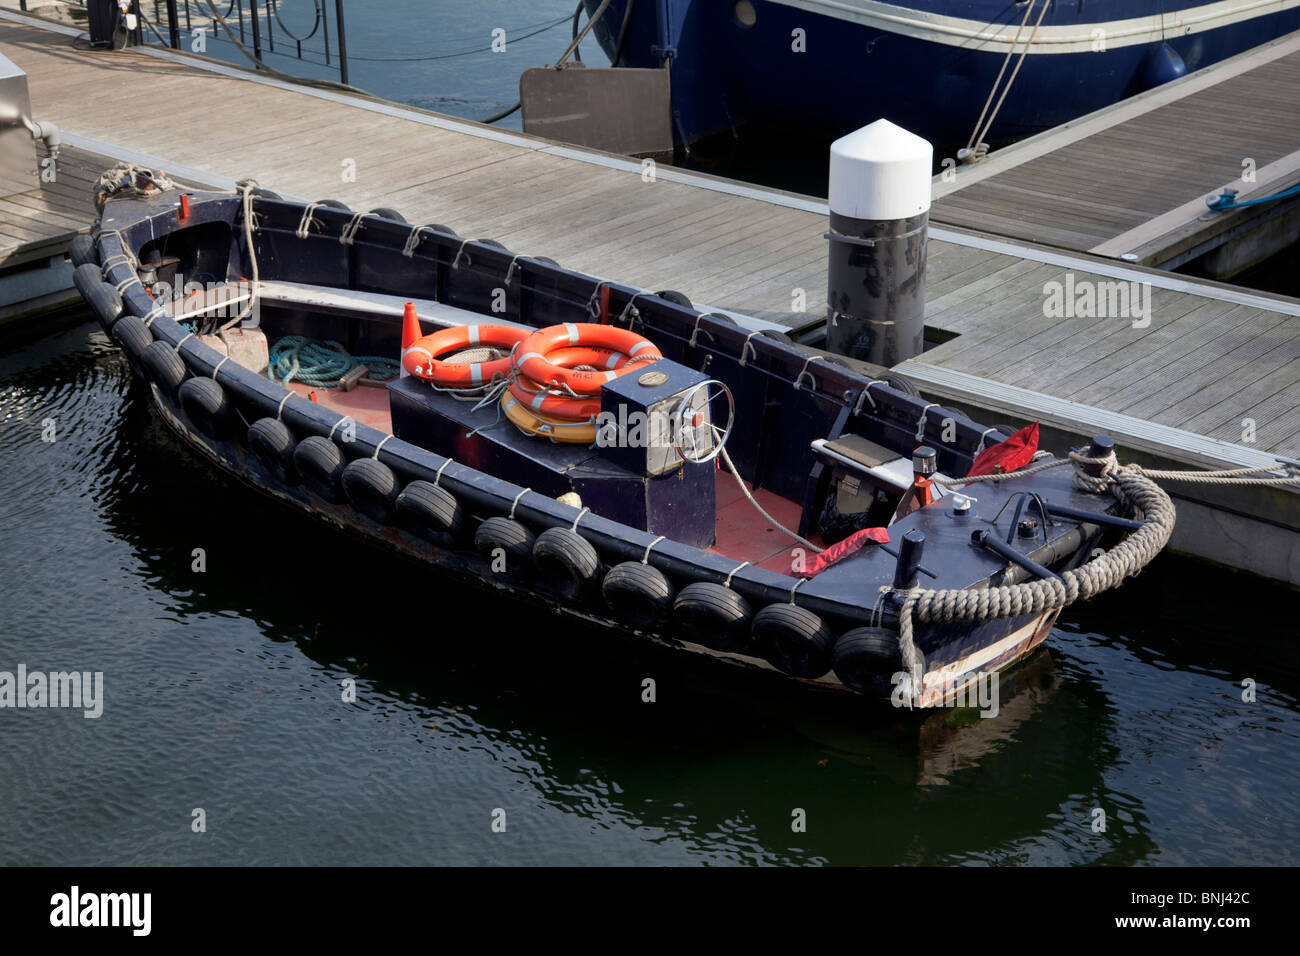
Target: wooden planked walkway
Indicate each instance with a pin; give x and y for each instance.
(1211, 357)
(38, 223)
(1131, 178)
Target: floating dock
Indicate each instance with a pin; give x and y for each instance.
(1208, 378)
(1129, 181)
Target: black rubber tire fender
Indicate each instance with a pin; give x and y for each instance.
(205, 403)
(164, 367)
(794, 640)
(372, 488)
(320, 464)
(106, 302)
(86, 276)
(446, 230)
(511, 537)
(272, 442)
(865, 660)
(263, 193)
(670, 295)
(82, 250)
(334, 204)
(134, 337)
(386, 212)
(567, 561)
(430, 510)
(713, 615)
(637, 593)
(900, 384)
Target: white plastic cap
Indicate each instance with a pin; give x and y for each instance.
(880, 172)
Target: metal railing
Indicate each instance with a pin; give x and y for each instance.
(261, 30)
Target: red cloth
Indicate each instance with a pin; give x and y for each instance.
(1016, 452)
(853, 543)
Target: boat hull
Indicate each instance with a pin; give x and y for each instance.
(345, 471)
(960, 662)
(927, 67)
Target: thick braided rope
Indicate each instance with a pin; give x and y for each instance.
(1150, 505)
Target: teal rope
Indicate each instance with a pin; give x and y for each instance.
(321, 364)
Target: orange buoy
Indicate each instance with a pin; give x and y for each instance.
(535, 350)
(411, 333)
(421, 359)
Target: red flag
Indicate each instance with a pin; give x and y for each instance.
(1016, 452)
(853, 543)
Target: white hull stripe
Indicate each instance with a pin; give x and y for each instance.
(1065, 38)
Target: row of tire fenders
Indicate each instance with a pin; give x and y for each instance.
(792, 639)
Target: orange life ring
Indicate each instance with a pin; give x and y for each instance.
(533, 354)
(560, 405)
(421, 358)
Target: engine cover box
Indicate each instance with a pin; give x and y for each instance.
(678, 504)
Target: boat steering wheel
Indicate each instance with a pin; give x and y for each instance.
(692, 421)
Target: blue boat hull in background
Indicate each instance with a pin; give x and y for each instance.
(929, 66)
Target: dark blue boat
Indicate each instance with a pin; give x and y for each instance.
(825, 67)
(648, 538)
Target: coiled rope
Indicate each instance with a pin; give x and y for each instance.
(322, 364)
(1129, 484)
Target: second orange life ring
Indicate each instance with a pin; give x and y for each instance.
(533, 354)
(559, 404)
(421, 359)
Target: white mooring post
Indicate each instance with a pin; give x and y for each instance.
(880, 213)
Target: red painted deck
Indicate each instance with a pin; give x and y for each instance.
(741, 533)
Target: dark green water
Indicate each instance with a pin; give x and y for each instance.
(223, 692)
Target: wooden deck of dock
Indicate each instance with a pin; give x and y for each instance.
(1179, 390)
(1130, 180)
